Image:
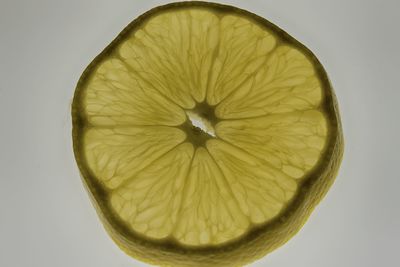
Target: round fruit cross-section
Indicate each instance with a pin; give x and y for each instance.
(173, 192)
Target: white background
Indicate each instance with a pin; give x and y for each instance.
(46, 218)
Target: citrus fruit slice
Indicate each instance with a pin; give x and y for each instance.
(205, 135)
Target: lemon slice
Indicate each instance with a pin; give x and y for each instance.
(205, 135)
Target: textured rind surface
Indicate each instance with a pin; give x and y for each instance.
(259, 241)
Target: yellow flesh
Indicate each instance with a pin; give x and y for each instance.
(270, 131)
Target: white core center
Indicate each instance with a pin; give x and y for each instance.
(201, 123)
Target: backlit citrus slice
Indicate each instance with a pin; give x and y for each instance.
(205, 135)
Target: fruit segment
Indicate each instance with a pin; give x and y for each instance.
(285, 83)
(291, 142)
(261, 191)
(209, 213)
(174, 52)
(115, 96)
(243, 47)
(117, 154)
(149, 202)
